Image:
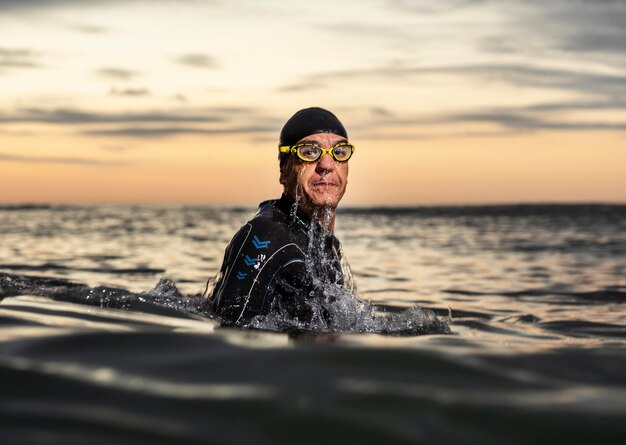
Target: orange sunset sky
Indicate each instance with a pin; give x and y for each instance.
(447, 101)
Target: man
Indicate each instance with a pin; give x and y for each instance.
(286, 260)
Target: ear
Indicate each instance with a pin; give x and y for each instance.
(284, 172)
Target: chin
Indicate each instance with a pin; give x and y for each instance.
(326, 200)
(315, 198)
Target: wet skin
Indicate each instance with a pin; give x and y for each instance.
(317, 185)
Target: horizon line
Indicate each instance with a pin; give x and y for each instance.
(347, 206)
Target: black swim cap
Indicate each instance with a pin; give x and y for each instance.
(308, 121)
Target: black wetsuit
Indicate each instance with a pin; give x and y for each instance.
(279, 260)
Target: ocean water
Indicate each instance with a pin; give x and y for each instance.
(102, 339)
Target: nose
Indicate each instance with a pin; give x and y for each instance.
(325, 165)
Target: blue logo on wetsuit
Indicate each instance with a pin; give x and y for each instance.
(241, 275)
(249, 261)
(258, 244)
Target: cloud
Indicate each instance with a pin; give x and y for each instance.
(501, 45)
(114, 148)
(305, 85)
(545, 116)
(18, 58)
(116, 73)
(432, 7)
(584, 82)
(79, 117)
(518, 75)
(524, 122)
(37, 4)
(31, 4)
(197, 61)
(583, 26)
(132, 92)
(580, 105)
(154, 132)
(361, 31)
(511, 120)
(217, 120)
(223, 120)
(574, 30)
(380, 111)
(50, 160)
(19, 133)
(88, 29)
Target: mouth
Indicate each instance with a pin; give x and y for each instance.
(324, 184)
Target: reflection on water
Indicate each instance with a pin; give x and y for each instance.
(510, 269)
(535, 295)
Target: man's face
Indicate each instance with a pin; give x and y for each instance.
(316, 184)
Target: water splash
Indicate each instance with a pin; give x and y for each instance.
(163, 299)
(294, 207)
(332, 302)
(341, 312)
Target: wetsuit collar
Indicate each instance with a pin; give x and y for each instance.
(286, 205)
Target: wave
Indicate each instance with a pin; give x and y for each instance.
(344, 313)
(608, 295)
(35, 206)
(176, 387)
(110, 270)
(522, 210)
(579, 328)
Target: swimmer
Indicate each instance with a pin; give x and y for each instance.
(287, 254)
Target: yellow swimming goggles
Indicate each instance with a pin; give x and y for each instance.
(311, 152)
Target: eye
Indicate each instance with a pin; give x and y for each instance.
(309, 151)
(342, 152)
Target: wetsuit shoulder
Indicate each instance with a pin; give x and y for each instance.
(265, 253)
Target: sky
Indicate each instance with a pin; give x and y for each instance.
(446, 101)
